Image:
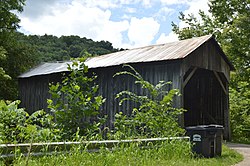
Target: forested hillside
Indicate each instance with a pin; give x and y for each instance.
(52, 48)
(19, 53)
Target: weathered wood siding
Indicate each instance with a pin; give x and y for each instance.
(204, 99)
(109, 86)
(33, 91)
(207, 56)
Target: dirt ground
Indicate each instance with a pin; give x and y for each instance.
(244, 150)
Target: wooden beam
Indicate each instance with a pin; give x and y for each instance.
(189, 77)
(218, 78)
(210, 117)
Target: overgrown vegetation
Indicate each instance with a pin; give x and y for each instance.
(17, 126)
(155, 115)
(75, 103)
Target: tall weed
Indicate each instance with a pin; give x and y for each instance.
(154, 117)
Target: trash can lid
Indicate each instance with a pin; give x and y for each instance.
(205, 127)
(216, 126)
(199, 127)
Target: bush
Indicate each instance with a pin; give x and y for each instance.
(154, 117)
(17, 126)
(240, 112)
(75, 104)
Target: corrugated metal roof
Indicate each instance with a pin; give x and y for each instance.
(46, 68)
(161, 52)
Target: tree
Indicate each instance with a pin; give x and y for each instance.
(9, 22)
(19, 58)
(52, 48)
(229, 21)
(3, 75)
(15, 57)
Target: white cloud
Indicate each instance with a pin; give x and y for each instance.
(142, 31)
(93, 19)
(173, 2)
(105, 4)
(112, 32)
(171, 37)
(34, 9)
(147, 3)
(164, 13)
(130, 10)
(77, 19)
(194, 7)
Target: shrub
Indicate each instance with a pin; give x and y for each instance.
(17, 126)
(75, 104)
(155, 116)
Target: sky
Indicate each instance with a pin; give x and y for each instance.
(124, 23)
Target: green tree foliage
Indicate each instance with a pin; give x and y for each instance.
(240, 112)
(3, 75)
(52, 48)
(75, 103)
(9, 22)
(15, 57)
(154, 117)
(17, 126)
(230, 23)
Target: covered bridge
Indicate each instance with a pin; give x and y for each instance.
(197, 67)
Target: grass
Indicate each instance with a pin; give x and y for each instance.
(170, 154)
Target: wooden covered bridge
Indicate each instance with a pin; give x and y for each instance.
(197, 67)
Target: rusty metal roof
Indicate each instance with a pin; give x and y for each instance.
(161, 52)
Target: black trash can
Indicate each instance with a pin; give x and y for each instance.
(206, 139)
(218, 138)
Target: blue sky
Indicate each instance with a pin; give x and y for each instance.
(124, 23)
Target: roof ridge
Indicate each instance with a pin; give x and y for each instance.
(193, 38)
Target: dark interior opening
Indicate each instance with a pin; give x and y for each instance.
(204, 99)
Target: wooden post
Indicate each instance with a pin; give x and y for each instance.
(221, 84)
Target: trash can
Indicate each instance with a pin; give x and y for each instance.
(218, 138)
(206, 139)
